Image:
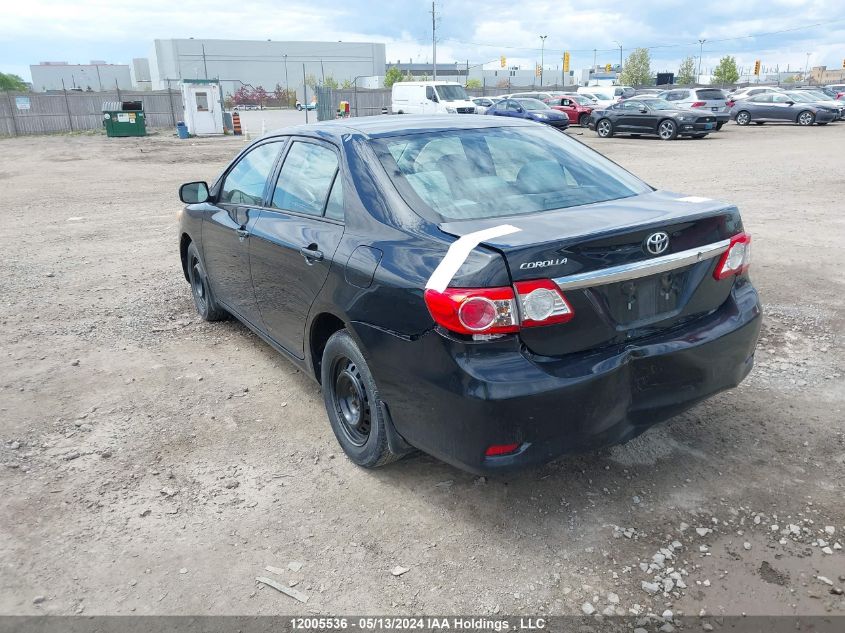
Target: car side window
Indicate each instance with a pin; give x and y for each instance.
(429, 93)
(513, 106)
(631, 105)
(334, 207)
(763, 98)
(306, 176)
(565, 102)
(245, 182)
(780, 98)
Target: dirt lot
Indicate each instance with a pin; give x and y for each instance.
(152, 463)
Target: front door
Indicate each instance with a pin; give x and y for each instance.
(293, 243)
(226, 228)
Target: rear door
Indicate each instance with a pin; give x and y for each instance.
(226, 228)
(293, 242)
(713, 100)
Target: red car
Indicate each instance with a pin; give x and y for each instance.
(577, 107)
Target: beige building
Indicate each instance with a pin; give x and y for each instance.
(821, 75)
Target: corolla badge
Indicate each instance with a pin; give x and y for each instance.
(543, 263)
(657, 243)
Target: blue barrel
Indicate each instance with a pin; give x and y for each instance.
(182, 129)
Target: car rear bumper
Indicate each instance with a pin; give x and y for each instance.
(453, 399)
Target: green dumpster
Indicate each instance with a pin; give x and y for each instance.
(124, 118)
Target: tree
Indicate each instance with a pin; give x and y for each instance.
(726, 72)
(392, 75)
(12, 83)
(347, 83)
(686, 72)
(637, 69)
(473, 83)
(260, 95)
(331, 82)
(311, 81)
(242, 95)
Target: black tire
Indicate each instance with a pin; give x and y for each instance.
(825, 123)
(200, 288)
(743, 117)
(667, 130)
(352, 403)
(299, 107)
(604, 128)
(806, 118)
(584, 120)
(719, 126)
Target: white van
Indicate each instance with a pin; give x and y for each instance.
(430, 97)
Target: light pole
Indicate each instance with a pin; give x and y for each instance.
(287, 85)
(620, 55)
(807, 66)
(542, 51)
(700, 53)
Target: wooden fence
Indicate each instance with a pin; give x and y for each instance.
(44, 113)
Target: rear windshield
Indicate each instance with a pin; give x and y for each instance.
(710, 94)
(493, 172)
(452, 93)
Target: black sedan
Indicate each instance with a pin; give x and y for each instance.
(654, 117)
(483, 289)
(531, 109)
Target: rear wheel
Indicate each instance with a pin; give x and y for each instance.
(743, 118)
(806, 118)
(584, 120)
(667, 130)
(719, 126)
(604, 128)
(352, 403)
(200, 288)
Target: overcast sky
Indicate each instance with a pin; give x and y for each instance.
(78, 31)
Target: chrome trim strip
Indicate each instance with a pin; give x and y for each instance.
(642, 268)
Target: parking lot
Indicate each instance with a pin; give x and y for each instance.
(152, 463)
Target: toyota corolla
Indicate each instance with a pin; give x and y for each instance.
(484, 289)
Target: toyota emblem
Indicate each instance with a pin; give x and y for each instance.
(657, 243)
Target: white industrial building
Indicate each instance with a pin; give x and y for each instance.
(262, 62)
(140, 72)
(96, 76)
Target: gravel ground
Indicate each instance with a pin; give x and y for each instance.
(152, 463)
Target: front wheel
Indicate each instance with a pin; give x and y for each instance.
(743, 118)
(719, 126)
(667, 130)
(299, 107)
(352, 403)
(806, 118)
(584, 120)
(604, 128)
(200, 288)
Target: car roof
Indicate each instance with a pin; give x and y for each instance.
(399, 124)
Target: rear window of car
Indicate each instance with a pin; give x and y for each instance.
(497, 172)
(710, 94)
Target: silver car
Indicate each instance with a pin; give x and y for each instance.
(819, 99)
(482, 103)
(711, 100)
(778, 106)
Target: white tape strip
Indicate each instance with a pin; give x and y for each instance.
(458, 252)
(693, 199)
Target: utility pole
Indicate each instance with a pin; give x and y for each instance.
(287, 85)
(700, 53)
(204, 65)
(542, 51)
(594, 59)
(434, 41)
(305, 92)
(807, 66)
(620, 54)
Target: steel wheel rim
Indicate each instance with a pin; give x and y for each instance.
(351, 404)
(198, 285)
(666, 130)
(604, 128)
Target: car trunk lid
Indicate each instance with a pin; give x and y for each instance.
(598, 255)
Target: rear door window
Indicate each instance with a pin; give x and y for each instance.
(305, 178)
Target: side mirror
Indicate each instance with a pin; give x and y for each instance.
(643, 109)
(193, 192)
(790, 103)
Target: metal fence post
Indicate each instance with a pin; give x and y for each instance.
(12, 115)
(67, 105)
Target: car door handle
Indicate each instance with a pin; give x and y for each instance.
(311, 255)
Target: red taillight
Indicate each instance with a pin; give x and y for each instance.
(499, 310)
(736, 259)
(542, 303)
(501, 449)
(474, 310)
(730, 103)
(699, 104)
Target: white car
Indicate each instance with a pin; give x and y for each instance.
(482, 103)
(750, 91)
(603, 97)
(430, 97)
